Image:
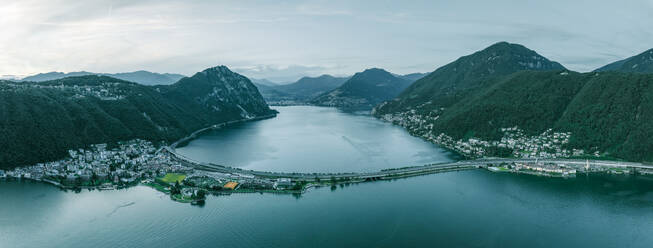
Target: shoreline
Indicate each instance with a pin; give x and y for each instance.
(300, 183)
(196, 134)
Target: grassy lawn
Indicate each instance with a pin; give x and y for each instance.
(173, 177)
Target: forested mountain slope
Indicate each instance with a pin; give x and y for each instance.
(41, 121)
(364, 90)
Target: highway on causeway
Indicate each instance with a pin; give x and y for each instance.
(400, 172)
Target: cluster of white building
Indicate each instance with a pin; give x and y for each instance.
(546, 168)
(125, 163)
(548, 144)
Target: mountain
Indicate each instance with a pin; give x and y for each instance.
(641, 63)
(606, 114)
(40, 121)
(141, 77)
(147, 78)
(298, 92)
(309, 87)
(364, 90)
(274, 96)
(454, 81)
(413, 76)
(528, 106)
(55, 75)
(221, 90)
(263, 82)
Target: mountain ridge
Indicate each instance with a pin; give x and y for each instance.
(40, 121)
(364, 90)
(640, 63)
(140, 76)
(453, 81)
(550, 112)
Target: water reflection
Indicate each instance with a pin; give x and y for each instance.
(314, 139)
(458, 209)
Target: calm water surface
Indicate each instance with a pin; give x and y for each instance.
(314, 139)
(459, 209)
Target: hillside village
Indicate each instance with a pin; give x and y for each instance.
(514, 143)
(106, 91)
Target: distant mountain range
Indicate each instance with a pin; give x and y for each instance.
(263, 82)
(641, 63)
(364, 90)
(40, 121)
(298, 92)
(412, 76)
(469, 104)
(307, 89)
(141, 77)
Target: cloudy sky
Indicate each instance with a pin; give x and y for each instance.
(283, 40)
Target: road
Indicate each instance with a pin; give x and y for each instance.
(400, 172)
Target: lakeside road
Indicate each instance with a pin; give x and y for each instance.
(217, 126)
(382, 174)
(403, 171)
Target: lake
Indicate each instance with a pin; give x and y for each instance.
(314, 139)
(457, 209)
(474, 208)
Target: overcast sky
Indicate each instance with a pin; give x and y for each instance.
(283, 40)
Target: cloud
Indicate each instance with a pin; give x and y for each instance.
(286, 39)
(318, 10)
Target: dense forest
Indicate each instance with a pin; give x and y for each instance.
(454, 81)
(609, 110)
(41, 121)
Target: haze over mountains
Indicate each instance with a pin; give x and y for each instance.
(305, 89)
(42, 120)
(141, 77)
(312, 90)
(641, 63)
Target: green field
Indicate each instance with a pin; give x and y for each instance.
(173, 177)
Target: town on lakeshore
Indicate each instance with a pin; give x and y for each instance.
(140, 162)
(548, 144)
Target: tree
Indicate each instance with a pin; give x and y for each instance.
(201, 194)
(176, 189)
(94, 177)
